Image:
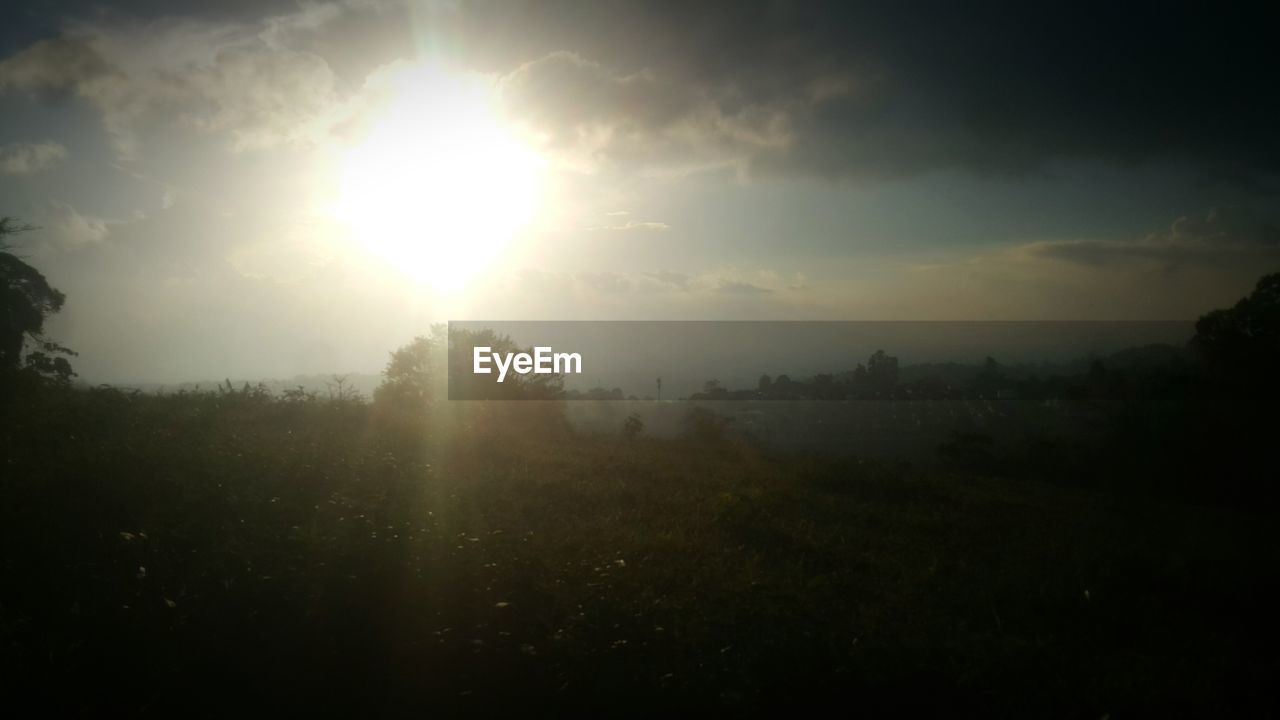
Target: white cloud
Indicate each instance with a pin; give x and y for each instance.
(221, 78)
(632, 226)
(65, 228)
(706, 285)
(24, 158)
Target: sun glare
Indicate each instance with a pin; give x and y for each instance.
(438, 187)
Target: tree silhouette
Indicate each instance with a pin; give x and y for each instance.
(411, 371)
(26, 300)
(438, 365)
(1228, 428)
(991, 378)
(882, 373)
(1242, 343)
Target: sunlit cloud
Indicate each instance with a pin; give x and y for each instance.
(649, 226)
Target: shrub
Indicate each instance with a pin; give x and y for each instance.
(632, 426)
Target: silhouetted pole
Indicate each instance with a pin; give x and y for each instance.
(659, 389)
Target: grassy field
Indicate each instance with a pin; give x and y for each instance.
(884, 429)
(205, 554)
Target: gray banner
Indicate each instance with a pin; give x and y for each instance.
(797, 361)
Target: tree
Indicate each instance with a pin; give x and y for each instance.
(711, 390)
(882, 373)
(1242, 343)
(859, 383)
(825, 387)
(1228, 427)
(466, 384)
(407, 381)
(26, 301)
(438, 365)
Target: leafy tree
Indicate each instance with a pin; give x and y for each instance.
(408, 380)
(438, 365)
(1242, 343)
(26, 300)
(463, 383)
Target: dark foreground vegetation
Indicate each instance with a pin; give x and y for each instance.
(203, 554)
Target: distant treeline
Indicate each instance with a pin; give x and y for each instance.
(882, 378)
(599, 393)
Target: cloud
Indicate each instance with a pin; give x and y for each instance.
(1179, 272)
(592, 116)
(231, 79)
(738, 287)
(667, 280)
(751, 86)
(64, 228)
(27, 158)
(733, 281)
(1222, 234)
(632, 226)
(605, 282)
(55, 66)
(704, 285)
(875, 89)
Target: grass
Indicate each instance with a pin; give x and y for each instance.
(203, 554)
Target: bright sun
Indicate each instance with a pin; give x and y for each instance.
(438, 187)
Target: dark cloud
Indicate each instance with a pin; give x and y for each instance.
(29, 22)
(899, 88)
(833, 89)
(592, 114)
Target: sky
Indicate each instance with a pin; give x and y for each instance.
(265, 189)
